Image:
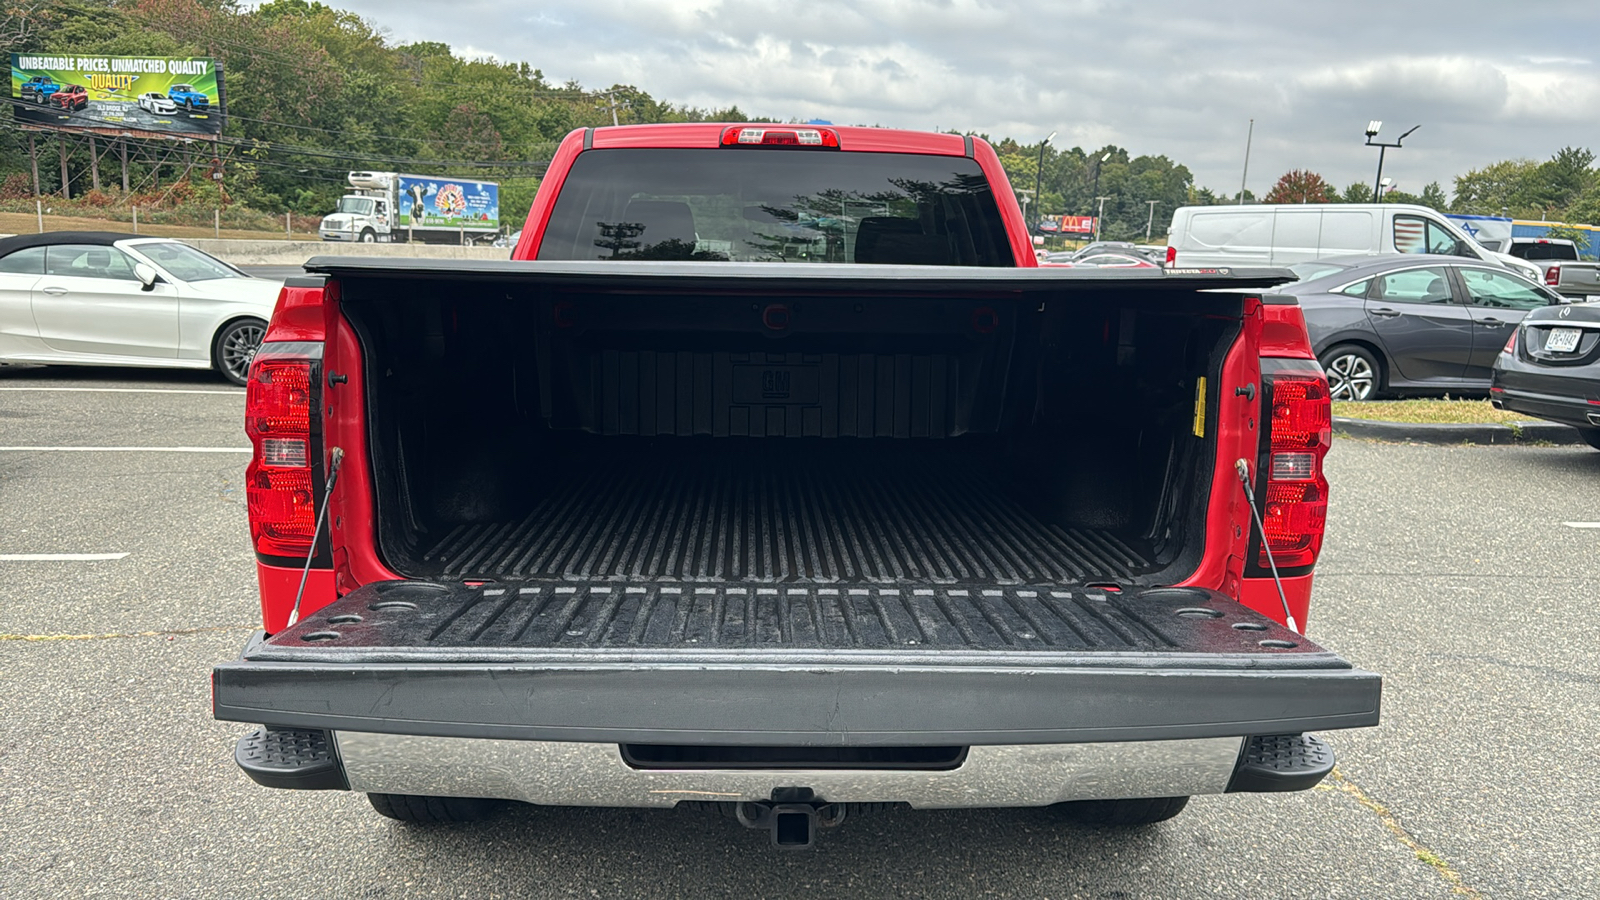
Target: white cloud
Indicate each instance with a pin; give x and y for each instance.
(1161, 76)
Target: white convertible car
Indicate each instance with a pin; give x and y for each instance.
(157, 104)
(95, 298)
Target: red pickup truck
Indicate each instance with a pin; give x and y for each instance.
(772, 475)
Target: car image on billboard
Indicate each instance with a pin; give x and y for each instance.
(179, 96)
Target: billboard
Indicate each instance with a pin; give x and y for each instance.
(431, 202)
(1077, 224)
(179, 96)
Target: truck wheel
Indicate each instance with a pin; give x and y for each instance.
(432, 810)
(368, 236)
(1353, 372)
(1145, 811)
(235, 346)
(1591, 436)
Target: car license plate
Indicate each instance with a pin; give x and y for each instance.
(1562, 340)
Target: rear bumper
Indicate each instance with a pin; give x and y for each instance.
(589, 774)
(1576, 411)
(551, 773)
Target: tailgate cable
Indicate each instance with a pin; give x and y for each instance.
(1243, 468)
(334, 459)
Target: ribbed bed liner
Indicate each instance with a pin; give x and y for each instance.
(748, 518)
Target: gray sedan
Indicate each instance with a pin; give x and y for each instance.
(1411, 324)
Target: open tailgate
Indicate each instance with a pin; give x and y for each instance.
(797, 665)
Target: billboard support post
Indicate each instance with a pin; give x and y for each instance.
(61, 145)
(123, 146)
(94, 164)
(33, 157)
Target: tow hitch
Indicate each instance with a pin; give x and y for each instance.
(792, 818)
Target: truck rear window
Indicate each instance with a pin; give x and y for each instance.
(763, 205)
(1544, 251)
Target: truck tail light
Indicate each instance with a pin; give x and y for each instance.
(1552, 276)
(780, 136)
(1295, 499)
(280, 482)
(1172, 255)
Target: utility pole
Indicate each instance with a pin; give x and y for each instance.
(613, 104)
(1248, 137)
(1100, 214)
(1149, 221)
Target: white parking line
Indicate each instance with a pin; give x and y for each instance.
(71, 390)
(58, 557)
(127, 449)
(1582, 524)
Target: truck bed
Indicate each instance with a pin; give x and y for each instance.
(770, 517)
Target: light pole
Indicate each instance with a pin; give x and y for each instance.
(1100, 214)
(1098, 164)
(1372, 132)
(1038, 177)
(1150, 221)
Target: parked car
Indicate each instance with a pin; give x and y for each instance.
(39, 88)
(1550, 368)
(1107, 260)
(1407, 324)
(613, 598)
(157, 104)
(99, 298)
(72, 97)
(187, 97)
(1563, 271)
(1280, 235)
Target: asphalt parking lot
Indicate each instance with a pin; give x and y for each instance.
(1449, 569)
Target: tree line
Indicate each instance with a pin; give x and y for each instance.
(314, 92)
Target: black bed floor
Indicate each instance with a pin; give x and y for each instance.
(773, 515)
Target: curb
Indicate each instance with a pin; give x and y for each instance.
(1522, 433)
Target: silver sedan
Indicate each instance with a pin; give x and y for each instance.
(96, 298)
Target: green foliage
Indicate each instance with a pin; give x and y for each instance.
(1567, 233)
(1433, 197)
(1359, 192)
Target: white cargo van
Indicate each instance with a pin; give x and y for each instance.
(1291, 233)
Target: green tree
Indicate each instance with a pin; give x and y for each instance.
(1358, 192)
(1433, 197)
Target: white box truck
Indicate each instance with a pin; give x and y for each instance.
(390, 206)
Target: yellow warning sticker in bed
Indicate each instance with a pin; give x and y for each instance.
(1200, 408)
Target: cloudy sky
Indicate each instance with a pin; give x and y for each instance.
(1484, 81)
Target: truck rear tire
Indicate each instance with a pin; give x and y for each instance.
(432, 810)
(1143, 811)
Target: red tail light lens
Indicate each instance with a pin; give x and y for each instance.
(279, 483)
(1552, 276)
(1511, 342)
(1172, 255)
(1295, 503)
(780, 136)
